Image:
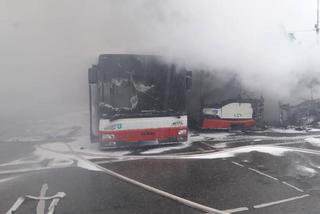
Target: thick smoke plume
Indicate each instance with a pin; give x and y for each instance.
(47, 46)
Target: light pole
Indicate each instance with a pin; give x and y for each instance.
(317, 24)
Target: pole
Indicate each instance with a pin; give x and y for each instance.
(317, 25)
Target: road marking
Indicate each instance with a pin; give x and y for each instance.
(21, 199)
(238, 164)
(269, 176)
(42, 204)
(151, 189)
(279, 202)
(294, 187)
(261, 173)
(177, 198)
(164, 194)
(53, 205)
(240, 209)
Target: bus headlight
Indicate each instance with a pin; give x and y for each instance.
(107, 137)
(182, 132)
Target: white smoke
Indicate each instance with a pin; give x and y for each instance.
(248, 37)
(47, 46)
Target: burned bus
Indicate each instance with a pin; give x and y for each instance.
(306, 113)
(220, 103)
(137, 100)
(232, 114)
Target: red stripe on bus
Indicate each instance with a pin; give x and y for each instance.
(136, 135)
(225, 124)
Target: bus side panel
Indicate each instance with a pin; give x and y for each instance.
(94, 112)
(226, 124)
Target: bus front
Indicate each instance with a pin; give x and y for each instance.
(138, 100)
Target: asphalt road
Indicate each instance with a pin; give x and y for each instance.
(226, 184)
(253, 181)
(86, 192)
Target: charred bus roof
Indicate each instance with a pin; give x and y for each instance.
(125, 65)
(139, 84)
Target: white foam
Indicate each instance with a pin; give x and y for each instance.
(314, 130)
(206, 136)
(220, 145)
(91, 150)
(58, 159)
(273, 150)
(167, 148)
(306, 171)
(55, 158)
(286, 131)
(313, 141)
(88, 166)
(217, 135)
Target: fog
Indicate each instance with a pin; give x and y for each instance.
(47, 46)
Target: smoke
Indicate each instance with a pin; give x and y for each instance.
(246, 37)
(47, 46)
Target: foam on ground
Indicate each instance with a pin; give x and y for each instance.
(272, 150)
(314, 141)
(286, 131)
(167, 148)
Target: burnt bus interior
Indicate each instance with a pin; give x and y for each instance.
(126, 86)
(214, 90)
(306, 113)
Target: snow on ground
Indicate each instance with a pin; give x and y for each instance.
(314, 141)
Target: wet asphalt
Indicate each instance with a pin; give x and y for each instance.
(244, 181)
(86, 192)
(215, 183)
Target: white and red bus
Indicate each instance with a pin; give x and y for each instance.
(219, 103)
(230, 115)
(137, 100)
